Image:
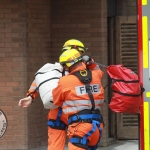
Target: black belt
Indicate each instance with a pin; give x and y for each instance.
(81, 116)
(60, 125)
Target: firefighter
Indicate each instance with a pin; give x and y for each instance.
(80, 94)
(56, 133)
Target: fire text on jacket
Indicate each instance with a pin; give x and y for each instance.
(81, 90)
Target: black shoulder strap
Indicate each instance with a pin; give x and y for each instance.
(85, 76)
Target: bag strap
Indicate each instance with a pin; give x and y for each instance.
(85, 76)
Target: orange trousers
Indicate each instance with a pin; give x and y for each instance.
(80, 129)
(56, 139)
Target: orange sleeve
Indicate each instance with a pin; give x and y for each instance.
(101, 73)
(32, 90)
(58, 95)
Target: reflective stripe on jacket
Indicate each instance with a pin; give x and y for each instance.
(72, 96)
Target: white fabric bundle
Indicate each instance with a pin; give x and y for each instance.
(47, 78)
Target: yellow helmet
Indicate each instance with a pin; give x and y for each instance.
(69, 57)
(75, 44)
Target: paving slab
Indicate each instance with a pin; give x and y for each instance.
(117, 145)
(120, 145)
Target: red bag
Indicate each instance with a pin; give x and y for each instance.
(126, 89)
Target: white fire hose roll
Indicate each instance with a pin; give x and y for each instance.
(47, 78)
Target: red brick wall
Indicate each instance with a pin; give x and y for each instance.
(24, 47)
(86, 21)
(32, 33)
(13, 71)
(38, 50)
(126, 8)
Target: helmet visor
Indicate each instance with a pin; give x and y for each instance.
(71, 62)
(82, 49)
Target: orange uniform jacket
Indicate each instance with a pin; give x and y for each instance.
(71, 95)
(53, 112)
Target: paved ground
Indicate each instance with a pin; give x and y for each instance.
(122, 145)
(118, 145)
